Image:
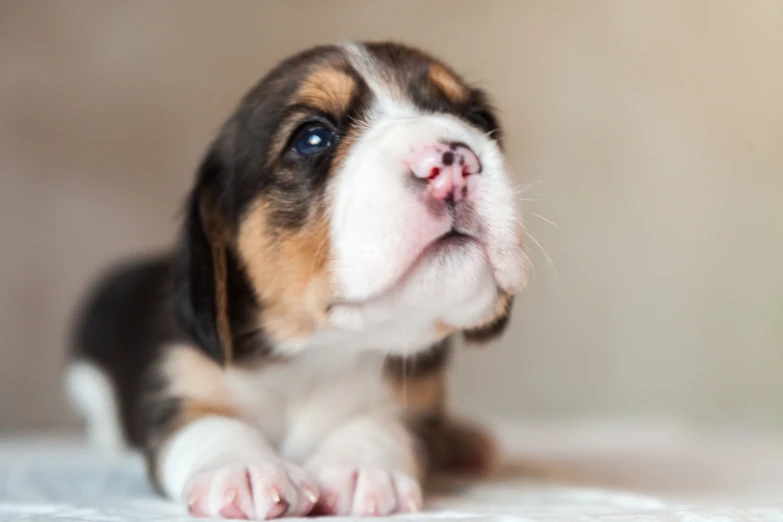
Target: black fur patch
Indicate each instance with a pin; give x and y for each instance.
(410, 68)
(125, 320)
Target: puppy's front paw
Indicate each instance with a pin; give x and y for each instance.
(255, 491)
(366, 491)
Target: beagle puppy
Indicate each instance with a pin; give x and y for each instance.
(352, 216)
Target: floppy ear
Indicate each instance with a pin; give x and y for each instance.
(201, 278)
(492, 330)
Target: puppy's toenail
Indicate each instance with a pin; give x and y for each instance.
(311, 496)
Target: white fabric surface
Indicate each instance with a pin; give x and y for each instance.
(583, 472)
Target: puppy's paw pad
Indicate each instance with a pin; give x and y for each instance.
(256, 491)
(366, 491)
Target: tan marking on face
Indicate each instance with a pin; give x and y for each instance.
(448, 84)
(419, 395)
(328, 89)
(289, 271)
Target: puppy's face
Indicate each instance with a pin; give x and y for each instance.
(358, 196)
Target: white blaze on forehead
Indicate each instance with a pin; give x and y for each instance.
(388, 98)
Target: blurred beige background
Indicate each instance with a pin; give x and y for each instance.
(650, 133)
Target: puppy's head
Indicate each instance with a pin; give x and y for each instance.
(357, 197)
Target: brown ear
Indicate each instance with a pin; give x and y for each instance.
(493, 329)
(201, 279)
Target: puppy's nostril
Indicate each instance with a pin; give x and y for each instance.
(444, 168)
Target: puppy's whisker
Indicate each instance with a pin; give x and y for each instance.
(545, 220)
(528, 260)
(546, 197)
(549, 262)
(528, 186)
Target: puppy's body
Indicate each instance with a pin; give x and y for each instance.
(353, 213)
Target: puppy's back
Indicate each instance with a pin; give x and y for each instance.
(118, 331)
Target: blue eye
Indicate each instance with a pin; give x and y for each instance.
(313, 138)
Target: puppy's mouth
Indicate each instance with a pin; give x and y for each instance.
(451, 243)
(451, 238)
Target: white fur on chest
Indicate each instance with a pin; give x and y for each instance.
(337, 373)
(297, 403)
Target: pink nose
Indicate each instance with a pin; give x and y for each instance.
(446, 168)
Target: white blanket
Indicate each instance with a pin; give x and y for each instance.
(584, 473)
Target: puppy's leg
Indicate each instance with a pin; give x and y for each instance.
(202, 451)
(446, 444)
(367, 466)
(222, 467)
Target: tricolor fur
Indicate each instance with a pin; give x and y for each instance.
(353, 214)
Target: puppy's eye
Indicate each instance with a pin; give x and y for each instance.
(313, 138)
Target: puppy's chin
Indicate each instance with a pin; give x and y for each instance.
(450, 286)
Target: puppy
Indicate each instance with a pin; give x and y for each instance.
(352, 215)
